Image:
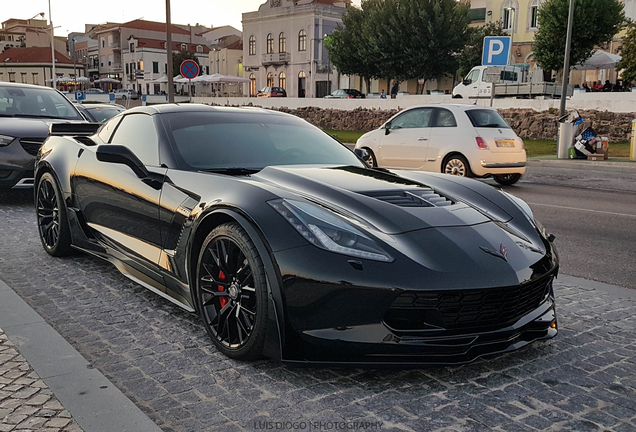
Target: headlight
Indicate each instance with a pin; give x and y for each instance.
(5, 140)
(326, 230)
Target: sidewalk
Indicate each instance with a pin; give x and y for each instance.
(614, 164)
(26, 402)
(46, 385)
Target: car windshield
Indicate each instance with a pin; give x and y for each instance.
(486, 118)
(35, 102)
(248, 140)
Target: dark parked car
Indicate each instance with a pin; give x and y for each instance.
(99, 113)
(345, 94)
(26, 112)
(287, 245)
(272, 92)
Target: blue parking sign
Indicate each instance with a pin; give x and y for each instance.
(496, 51)
(80, 95)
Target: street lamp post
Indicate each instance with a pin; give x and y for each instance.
(53, 77)
(169, 54)
(566, 61)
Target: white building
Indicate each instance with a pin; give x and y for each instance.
(283, 46)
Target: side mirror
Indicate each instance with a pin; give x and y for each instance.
(121, 155)
(387, 128)
(364, 155)
(467, 82)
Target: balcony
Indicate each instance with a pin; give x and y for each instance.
(276, 59)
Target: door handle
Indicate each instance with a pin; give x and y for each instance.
(422, 139)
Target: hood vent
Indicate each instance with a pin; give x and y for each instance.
(414, 198)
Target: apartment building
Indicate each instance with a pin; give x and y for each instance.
(33, 65)
(283, 46)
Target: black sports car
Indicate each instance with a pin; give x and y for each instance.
(287, 245)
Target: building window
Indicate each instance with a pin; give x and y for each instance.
(252, 85)
(270, 44)
(23, 76)
(165, 68)
(155, 67)
(508, 15)
(282, 80)
(302, 40)
(11, 76)
(252, 45)
(103, 43)
(282, 43)
(132, 47)
(127, 71)
(184, 47)
(270, 80)
(35, 78)
(534, 14)
(199, 49)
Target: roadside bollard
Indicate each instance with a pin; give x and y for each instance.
(632, 147)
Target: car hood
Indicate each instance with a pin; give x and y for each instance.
(390, 202)
(21, 127)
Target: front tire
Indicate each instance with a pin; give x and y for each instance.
(507, 179)
(231, 292)
(52, 218)
(457, 165)
(370, 159)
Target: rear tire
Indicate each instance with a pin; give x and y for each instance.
(53, 228)
(457, 165)
(231, 292)
(507, 179)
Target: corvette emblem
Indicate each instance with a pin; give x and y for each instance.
(502, 253)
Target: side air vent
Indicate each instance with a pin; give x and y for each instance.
(32, 145)
(413, 198)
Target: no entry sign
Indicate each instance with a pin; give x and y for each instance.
(189, 69)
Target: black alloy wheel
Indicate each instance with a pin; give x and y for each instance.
(231, 292)
(52, 219)
(507, 179)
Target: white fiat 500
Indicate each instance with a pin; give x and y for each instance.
(464, 140)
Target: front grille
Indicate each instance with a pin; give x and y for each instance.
(32, 145)
(427, 197)
(476, 309)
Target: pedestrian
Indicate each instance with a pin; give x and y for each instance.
(382, 94)
(394, 90)
(586, 87)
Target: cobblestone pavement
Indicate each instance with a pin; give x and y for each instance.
(161, 358)
(26, 403)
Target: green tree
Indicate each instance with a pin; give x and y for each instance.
(470, 56)
(628, 52)
(179, 57)
(400, 39)
(595, 22)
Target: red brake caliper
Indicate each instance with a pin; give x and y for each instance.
(222, 300)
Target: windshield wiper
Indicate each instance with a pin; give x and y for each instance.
(43, 116)
(233, 170)
(493, 125)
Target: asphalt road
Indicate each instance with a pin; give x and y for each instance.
(592, 213)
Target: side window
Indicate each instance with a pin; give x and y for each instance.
(415, 118)
(445, 118)
(138, 133)
(107, 129)
(472, 77)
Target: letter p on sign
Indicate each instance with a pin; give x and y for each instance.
(496, 50)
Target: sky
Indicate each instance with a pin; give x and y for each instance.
(71, 16)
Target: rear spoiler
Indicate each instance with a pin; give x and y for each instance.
(74, 129)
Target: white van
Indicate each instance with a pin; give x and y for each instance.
(475, 84)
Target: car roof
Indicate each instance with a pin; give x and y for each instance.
(188, 107)
(10, 84)
(456, 107)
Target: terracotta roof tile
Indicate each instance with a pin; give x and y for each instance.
(32, 55)
(238, 45)
(152, 26)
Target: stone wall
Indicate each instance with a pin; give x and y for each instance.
(527, 123)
